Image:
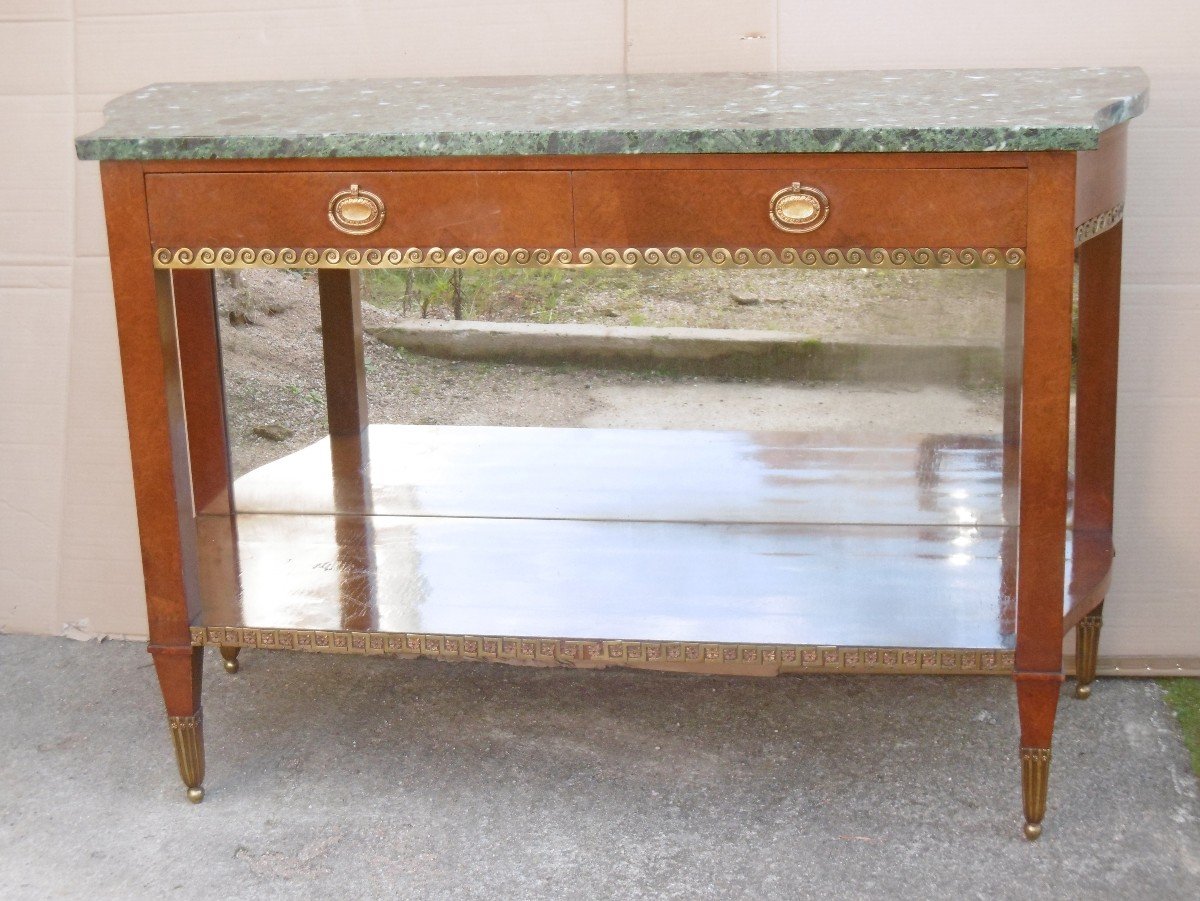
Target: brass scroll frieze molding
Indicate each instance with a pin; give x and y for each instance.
(606, 258)
(1098, 224)
(566, 652)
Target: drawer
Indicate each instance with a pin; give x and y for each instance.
(866, 208)
(420, 209)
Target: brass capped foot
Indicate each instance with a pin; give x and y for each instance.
(187, 734)
(1035, 778)
(230, 655)
(1087, 645)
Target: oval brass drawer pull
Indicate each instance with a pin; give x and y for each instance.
(356, 212)
(798, 208)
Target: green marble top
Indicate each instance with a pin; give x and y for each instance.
(785, 112)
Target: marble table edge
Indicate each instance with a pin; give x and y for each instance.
(584, 143)
(117, 140)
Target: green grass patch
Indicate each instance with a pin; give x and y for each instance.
(1184, 697)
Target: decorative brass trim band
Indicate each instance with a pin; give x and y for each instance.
(1035, 779)
(582, 652)
(187, 734)
(608, 258)
(1098, 224)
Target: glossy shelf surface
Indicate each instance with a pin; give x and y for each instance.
(638, 475)
(905, 586)
(628, 535)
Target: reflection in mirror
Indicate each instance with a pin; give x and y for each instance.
(741, 407)
(871, 352)
(805, 377)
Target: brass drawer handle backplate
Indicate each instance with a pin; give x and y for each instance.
(799, 208)
(356, 212)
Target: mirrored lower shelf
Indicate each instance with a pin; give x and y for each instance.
(727, 597)
(581, 586)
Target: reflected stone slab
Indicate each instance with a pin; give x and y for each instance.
(728, 353)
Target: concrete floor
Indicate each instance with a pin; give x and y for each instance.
(364, 777)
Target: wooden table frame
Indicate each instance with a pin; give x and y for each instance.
(180, 455)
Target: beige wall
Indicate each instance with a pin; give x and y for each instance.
(67, 528)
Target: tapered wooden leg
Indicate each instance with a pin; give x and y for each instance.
(1044, 432)
(162, 480)
(230, 654)
(1037, 702)
(180, 671)
(1087, 644)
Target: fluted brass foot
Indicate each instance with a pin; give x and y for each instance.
(230, 654)
(1035, 778)
(1087, 644)
(187, 733)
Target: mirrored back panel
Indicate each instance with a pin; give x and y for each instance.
(693, 395)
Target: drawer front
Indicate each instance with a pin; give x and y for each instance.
(419, 209)
(866, 208)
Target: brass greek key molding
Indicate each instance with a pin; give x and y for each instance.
(187, 734)
(580, 652)
(1097, 224)
(610, 258)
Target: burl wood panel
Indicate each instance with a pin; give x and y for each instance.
(1096, 403)
(1100, 176)
(867, 208)
(424, 209)
(1096, 411)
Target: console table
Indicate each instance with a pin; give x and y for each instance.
(650, 549)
